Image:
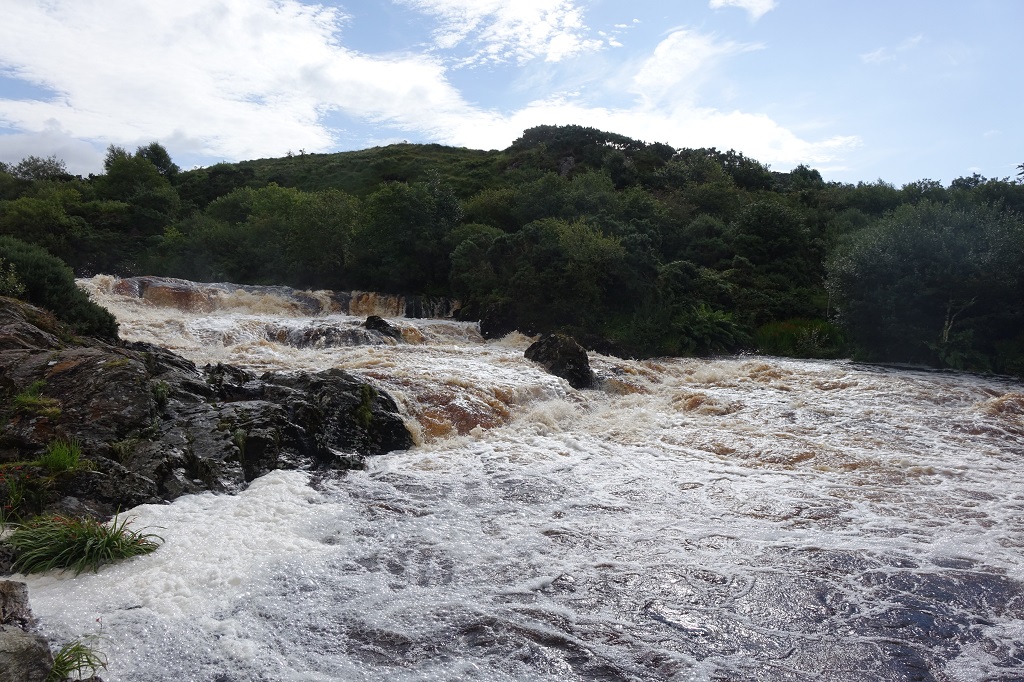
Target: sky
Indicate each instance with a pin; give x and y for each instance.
(898, 90)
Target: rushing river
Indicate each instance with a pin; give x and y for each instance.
(741, 518)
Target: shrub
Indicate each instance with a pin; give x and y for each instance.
(50, 284)
(61, 455)
(55, 541)
(76, 659)
(800, 338)
(10, 284)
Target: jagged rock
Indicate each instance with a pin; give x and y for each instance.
(154, 426)
(562, 356)
(24, 656)
(379, 324)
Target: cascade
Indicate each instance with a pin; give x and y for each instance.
(736, 518)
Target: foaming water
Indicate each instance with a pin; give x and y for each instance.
(732, 519)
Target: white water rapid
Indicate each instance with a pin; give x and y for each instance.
(741, 518)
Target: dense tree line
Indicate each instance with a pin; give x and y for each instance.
(634, 247)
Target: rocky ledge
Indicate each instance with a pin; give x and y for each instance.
(153, 426)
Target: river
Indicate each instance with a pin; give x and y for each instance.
(736, 518)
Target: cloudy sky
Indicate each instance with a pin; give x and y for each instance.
(861, 89)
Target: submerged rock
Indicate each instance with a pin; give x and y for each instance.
(562, 356)
(153, 426)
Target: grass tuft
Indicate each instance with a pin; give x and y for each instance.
(61, 455)
(76, 660)
(31, 401)
(53, 541)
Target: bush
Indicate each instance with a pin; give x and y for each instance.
(800, 338)
(50, 284)
(54, 541)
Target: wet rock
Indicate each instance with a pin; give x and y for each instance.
(14, 608)
(431, 306)
(154, 426)
(494, 323)
(562, 356)
(379, 324)
(24, 656)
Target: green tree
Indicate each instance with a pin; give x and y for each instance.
(552, 274)
(933, 283)
(37, 168)
(157, 155)
(399, 245)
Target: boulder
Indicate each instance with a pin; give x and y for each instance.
(562, 356)
(14, 608)
(379, 324)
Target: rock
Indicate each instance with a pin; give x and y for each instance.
(495, 323)
(562, 356)
(14, 608)
(24, 656)
(154, 426)
(379, 324)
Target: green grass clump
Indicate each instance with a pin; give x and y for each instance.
(30, 400)
(61, 455)
(54, 541)
(161, 391)
(76, 660)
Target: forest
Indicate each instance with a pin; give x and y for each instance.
(636, 249)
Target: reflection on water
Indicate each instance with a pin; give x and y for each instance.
(733, 519)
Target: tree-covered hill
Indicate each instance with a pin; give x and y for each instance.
(358, 173)
(635, 247)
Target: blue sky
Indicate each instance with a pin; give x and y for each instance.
(900, 90)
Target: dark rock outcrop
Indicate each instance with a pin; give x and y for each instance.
(154, 426)
(379, 324)
(562, 356)
(24, 655)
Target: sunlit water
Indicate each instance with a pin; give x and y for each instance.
(741, 518)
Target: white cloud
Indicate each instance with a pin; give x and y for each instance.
(80, 157)
(756, 135)
(680, 63)
(253, 78)
(507, 31)
(239, 79)
(888, 54)
(755, 8)
(665, 109)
